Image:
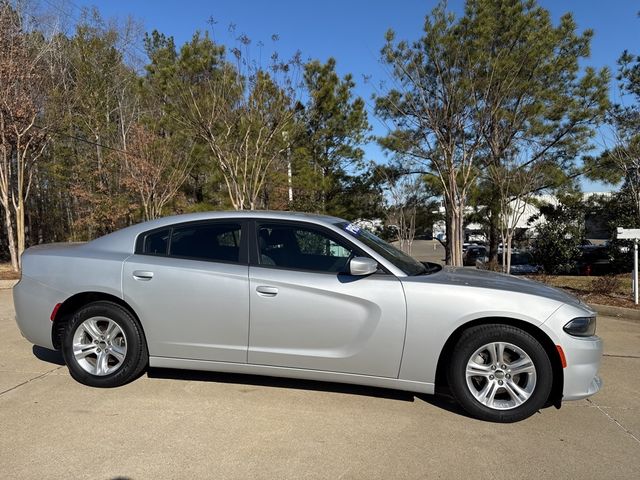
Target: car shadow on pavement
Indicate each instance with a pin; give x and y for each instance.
(442, 399)
(47, 355)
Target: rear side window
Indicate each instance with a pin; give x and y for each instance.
(156, 243)
(214, 242)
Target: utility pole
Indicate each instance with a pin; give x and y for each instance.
(285, 137)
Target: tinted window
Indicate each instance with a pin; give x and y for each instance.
(215, 242)
(302, 248)
(518, 258)
(156, 243)
(521, 259)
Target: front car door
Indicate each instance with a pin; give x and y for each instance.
(307, 312)
(189, 285)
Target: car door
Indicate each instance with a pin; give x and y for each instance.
(189, 285)
(307, 312)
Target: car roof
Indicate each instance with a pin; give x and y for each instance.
(123, 240)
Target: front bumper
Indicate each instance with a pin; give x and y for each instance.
(583, 354)
(581, 378)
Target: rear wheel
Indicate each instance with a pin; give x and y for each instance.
(500, 373)
(103, 345)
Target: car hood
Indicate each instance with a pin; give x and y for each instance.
(469, 277)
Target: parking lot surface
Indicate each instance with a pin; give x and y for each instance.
(173, 424)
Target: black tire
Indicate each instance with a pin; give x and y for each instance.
(135, 359)
(474, 339)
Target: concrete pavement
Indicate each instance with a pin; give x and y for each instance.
(172, 424)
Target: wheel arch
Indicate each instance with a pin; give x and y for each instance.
(555, 397)
(79, 300)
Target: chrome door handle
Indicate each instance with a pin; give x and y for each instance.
(142, 275)
(266, 291)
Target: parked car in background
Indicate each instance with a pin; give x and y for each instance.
(594, 260)
(304, 296)
(522, 263)
(472, 254)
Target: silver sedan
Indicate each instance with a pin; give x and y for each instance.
(304, 296)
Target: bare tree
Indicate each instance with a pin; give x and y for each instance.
(152, 170)
(251, 141)
(405, 193)
(241, 112)
(515, 185)
(22, 140)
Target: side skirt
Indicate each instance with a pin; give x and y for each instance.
(266, 370)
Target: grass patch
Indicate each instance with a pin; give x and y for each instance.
(7, 273)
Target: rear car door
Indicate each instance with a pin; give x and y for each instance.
(189, 285)
(308, 312)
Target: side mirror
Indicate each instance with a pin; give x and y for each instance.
(362, 266)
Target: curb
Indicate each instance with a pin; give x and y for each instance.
(611, 311)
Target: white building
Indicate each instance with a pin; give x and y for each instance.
(473, 231)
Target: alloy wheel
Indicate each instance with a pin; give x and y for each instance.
(99, 346)
(501, 375)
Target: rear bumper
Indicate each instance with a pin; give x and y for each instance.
(34, 303)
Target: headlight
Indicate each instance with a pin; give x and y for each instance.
(581, 327)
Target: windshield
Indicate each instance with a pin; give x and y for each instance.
(404, 262)
(521, 259)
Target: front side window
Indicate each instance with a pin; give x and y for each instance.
(301, 248)
(213, 242)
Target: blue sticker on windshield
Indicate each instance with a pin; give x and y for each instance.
(353, 228)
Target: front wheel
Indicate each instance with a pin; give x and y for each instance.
(103, 345)
(500, 373)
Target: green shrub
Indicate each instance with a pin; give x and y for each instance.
(556, 248)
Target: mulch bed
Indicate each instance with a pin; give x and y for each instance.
(613, 300)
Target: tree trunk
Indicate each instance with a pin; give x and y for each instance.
(503, 238)
(493, 235)
(454, 233)
(447, 233)
(20, 230)
(507, 252)
(11, 240)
